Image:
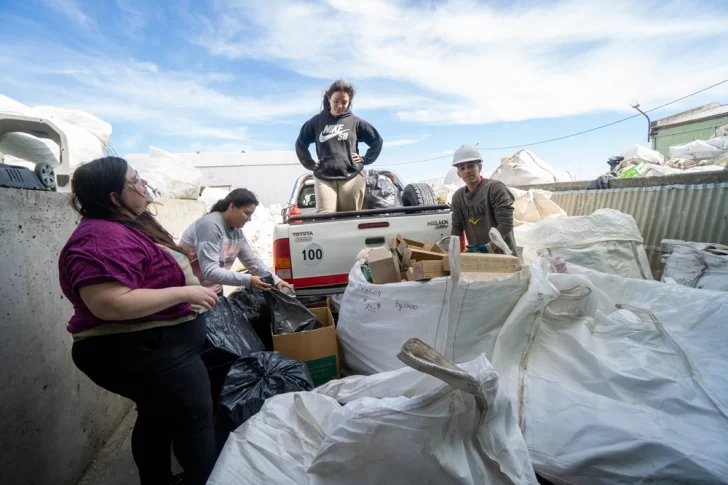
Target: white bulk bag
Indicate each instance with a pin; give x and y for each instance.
(401, 427)
(618, 396)
(526, 168)
(700, 150)
(699, 265)
(607, 240)
(173, 176)
(642, 154)
(534, 205)
(459, 318)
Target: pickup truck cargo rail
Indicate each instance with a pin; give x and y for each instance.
(371, 212)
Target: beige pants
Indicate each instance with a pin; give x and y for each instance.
(340, 195)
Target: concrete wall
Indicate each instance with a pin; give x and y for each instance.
(53, 419)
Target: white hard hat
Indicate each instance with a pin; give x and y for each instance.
(465, 154)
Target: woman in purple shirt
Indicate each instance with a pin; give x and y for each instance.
(138, 324)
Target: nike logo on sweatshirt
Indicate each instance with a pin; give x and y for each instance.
(330, 131)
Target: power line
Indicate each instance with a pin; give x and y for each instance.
(578, 133)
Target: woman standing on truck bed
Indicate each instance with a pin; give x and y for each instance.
(338, 181)
(138, 324)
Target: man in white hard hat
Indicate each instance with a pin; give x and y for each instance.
(481, 204)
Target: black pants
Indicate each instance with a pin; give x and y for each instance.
(161, 371)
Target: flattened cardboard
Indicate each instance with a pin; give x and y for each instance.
(384, 267)
(487, 263)
(426, 270)
(412, 255)
(318, 349)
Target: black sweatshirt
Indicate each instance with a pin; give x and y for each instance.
(489, 205)
(336, 139)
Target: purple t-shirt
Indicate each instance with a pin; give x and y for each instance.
(100, 251)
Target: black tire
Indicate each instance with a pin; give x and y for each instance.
(46, 175)
(418, 195)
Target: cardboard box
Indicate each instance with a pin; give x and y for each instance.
(402, 244)
(384, 266)
(433, 247)
(426, 270)
(486, 263)
(412, 255)
(318, 348)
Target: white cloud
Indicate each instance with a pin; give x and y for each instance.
(401, 142)
(473, 63)
(404, 141)
(70, 10)
(143, 94)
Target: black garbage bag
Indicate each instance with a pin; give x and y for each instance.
(256, 309)
(288, 315)
(253, 379)
(230, 336)
(380, 193)
(229, 329)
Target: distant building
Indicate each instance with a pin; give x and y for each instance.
(269, 174)
(695, 124)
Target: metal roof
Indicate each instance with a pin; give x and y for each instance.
(703, 112)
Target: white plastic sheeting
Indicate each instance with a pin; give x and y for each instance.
(639, 153)
(607, 240)
(401, 427)
(87, 136)
(526, 168)
(172, 176)
(701, 149)
(457, 317)
(259, 231)
(698, 265)
(618, 396)
(534, 205)
(210, 195)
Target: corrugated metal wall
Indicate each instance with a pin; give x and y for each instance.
(687, 212)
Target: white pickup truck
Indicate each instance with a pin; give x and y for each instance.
(315, 252)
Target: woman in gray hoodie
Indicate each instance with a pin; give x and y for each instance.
(336, 131)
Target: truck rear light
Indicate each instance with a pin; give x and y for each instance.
(282, 259)
(373, 225)
(462, 242)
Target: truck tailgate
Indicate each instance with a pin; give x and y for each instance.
(323, 252)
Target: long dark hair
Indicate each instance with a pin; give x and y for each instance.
(238, 197)
(337, 86)
(95, 181)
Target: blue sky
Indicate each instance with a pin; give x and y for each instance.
(231, 75)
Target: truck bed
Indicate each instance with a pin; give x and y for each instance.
(322, 248)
